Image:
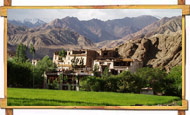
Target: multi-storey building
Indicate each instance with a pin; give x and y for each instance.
(84, 57)
(81, 63)
(116, 66)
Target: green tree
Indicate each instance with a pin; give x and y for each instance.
(111, 83)
(62, 53)
(32, 51)
(152, 77)
(95, 70)
(42, 66)
(55, 84)
(105, 73)
(46, 64)
(127, 82)
(174, 82)
(92, 83)
(19, 74)
(61, 81)
(21, 53)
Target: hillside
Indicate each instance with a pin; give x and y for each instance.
(95, 29)
(162, 26)
(72, 33)
(46, 41)
(159, 47)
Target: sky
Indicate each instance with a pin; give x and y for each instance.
(48, 15)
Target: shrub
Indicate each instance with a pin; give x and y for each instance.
(152, 77)
(111, 83)
(127, 82)
(92, 83)
(174, 82)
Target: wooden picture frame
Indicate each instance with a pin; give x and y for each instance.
(181, 5)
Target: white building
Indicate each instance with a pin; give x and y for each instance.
(116, 66)
(86, 56)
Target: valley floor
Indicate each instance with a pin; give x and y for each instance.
(46, 97)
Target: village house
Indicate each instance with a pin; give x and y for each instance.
(70, 79)
(85, 56)
(116, 66)
(80, 63)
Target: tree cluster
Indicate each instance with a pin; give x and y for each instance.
(21, 73)
(127, 82)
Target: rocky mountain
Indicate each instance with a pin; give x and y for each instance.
(71, 32)
(157, 45)
(45, 40)
(162, 26)
(155, 42)
(53, 36)
(125, 26)
(97, 30)
(27, 23)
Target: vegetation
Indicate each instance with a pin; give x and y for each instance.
(62, 53)
(30, 74)
(95, 70)
(127, 82)
(174, 82)
(44, 97)
(152, 77)
(32, 51)
(106, 73)
(21, 53)
(15, 78)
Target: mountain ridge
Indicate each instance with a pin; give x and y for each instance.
(70, 33)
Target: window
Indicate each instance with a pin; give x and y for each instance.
(105, 53)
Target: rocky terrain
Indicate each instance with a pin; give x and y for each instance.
(71, 33)
(162, 26)
(161, 46)
(46, 41)
(158, 43)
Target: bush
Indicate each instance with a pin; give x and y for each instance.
(111, 83)
(124, 82)
(127, 82)
(22, 73)
(174, 82)
(19, 74)
(92, 83)
(152, 77)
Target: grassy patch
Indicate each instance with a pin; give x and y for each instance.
(45, 97)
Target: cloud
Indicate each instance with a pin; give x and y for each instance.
(87, 14)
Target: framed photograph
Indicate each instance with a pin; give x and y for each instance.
(95, 57)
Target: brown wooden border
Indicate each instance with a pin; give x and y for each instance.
(185, 11)
(182, 2)
(185, 8)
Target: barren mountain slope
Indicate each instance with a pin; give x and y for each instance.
(163, 26)
(160, 50)
(48, 39)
